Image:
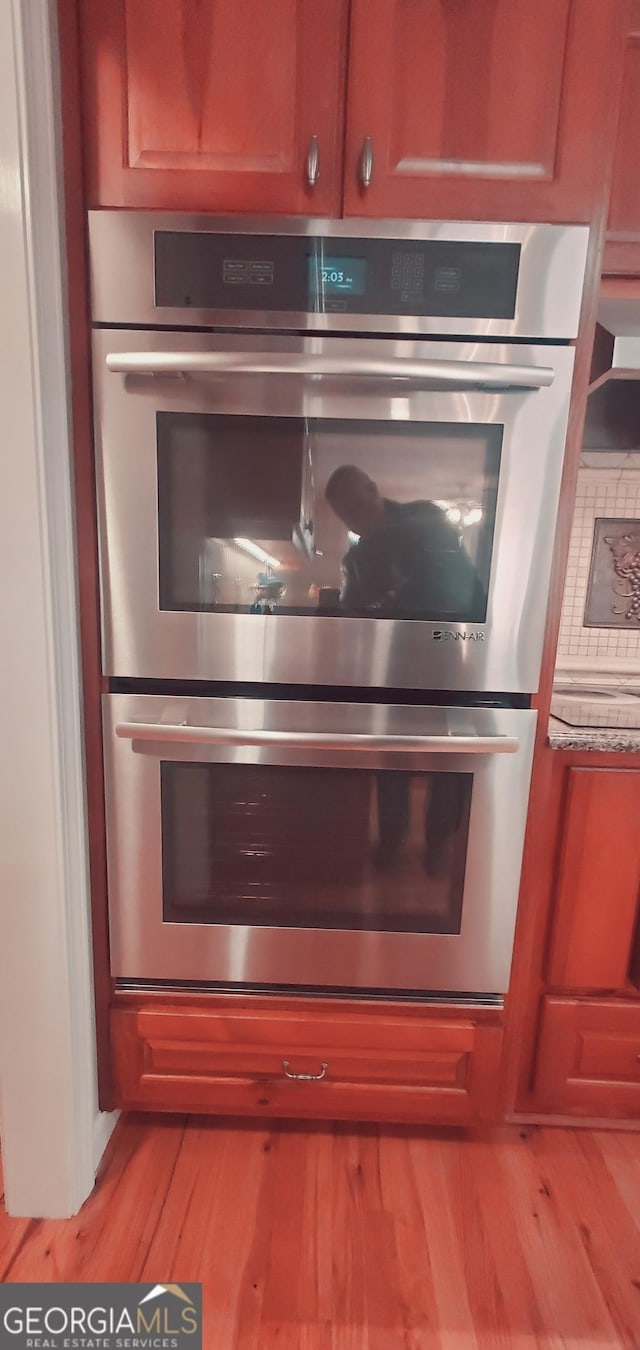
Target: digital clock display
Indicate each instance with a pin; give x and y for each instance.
(337, 276)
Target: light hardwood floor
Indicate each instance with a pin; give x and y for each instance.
(353, 1238)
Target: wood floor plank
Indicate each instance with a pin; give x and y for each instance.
(522, 1320)
(573, 1306)
(315, 1336)
(291, 1336)
(472, 1221)
(253, 1278)
(180, 1242)
(315, 1296)
(400, 1195)
(500, 1291)
(347, 1239)
(354, 1238)
(13, 1236)
(291, 1250)
(455, 1317)
(13, 1239)
(622, 1159)
(602, 1222)
(381, 1282)
(225, 1220)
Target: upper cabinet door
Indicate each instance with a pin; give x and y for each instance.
(477, 109)
(214, 105)
(622, 252)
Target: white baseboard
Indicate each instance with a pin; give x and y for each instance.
(103, 1127)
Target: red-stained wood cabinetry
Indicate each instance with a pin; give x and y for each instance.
(278, 1056)
(214, 105)
(598, 880)
(587, 1060)
(468, 109)
(491, 109)
(622, 252)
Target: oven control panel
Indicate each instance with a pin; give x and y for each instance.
(206, 270)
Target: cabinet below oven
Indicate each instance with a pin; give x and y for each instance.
(325, 1059)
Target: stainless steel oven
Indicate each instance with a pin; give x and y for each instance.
(328, 507)
(334, 845)
(328, 459)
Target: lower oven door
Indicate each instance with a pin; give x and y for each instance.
(332, 846)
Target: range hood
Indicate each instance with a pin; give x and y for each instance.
(617, 343)
(613, 407)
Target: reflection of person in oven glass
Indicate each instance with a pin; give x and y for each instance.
(408, 558)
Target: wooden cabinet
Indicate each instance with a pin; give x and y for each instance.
(474, 110)
(453, 108)
(589, 1058)
(622, 252)
(598, 880)
(214, 105)
(324, 1059)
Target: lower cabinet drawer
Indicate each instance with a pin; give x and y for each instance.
(366, 1065)
(588, 1059)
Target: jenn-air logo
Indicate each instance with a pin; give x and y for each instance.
(455, 635)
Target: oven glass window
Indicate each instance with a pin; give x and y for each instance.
(314, 847)
(288, 515)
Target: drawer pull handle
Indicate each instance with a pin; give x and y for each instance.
(304, 1077)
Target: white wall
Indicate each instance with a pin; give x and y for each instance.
(51, 1130)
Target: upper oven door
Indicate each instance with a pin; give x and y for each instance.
(327, 511)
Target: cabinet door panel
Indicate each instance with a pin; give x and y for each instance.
(622, 252)
(598, 880)
(588, 1061)
(212, 106)
(483, 109)
(208, 113)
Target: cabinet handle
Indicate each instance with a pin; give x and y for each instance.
(313, 162)
(304, 1077)
(366, 163)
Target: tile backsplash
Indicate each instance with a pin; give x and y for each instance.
(608, 485)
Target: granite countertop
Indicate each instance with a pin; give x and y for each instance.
(612, 726)
(563, 737)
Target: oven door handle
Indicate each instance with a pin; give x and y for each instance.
(166, 734)
(458, 374)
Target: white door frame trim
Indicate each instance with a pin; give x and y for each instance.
(52, 1131)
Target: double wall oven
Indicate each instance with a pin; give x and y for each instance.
(329, 457)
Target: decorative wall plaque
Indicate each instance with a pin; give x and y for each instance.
(613, 591)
